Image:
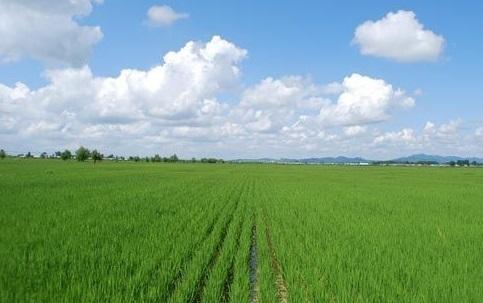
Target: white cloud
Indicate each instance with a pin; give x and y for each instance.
(163, 15)
(180, 92)
(446, 132)
(450, 138)
(47, 31)
(364, 100)
(176, 104)
(276, 104)
(479, 132)
(405, 135)
(355, 130)
(292, 91)
(399, 36)
(180, 106)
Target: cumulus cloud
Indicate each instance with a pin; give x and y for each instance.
(479, 132)
(364, 100)
(405, 135)
(274, 103)
(163, 15)
(181, 105)
(449, 138)
(179, 92)
(296, 102)
(398, 36)
(355, 130)
(47, 30)
(446, 132)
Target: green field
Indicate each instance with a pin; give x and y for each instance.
(149, 232)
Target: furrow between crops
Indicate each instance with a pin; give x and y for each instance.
(214, 257)
(230, 275)
(282, 291)
(252, 264)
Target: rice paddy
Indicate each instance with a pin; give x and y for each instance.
(163, 232)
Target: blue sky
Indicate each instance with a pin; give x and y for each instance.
(315, 42)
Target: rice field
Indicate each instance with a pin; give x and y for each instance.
(161, 232)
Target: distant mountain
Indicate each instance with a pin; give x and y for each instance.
(434, 158)
(356, 160)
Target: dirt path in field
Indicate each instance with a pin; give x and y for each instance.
(252, 263)
(282, 291)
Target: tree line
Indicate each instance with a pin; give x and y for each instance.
(83, 154)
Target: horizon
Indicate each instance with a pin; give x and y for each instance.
(237, 81)
(38, 154)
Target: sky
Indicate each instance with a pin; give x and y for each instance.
(242, 79)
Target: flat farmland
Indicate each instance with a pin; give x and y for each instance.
(149, 232)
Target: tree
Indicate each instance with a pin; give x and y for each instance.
(156, 158)
(66, 155)
(82, 154)
(463, 162)
(173, 158)
(29, 155)
(452, 163)
(96, 156)
(58, 154)
(3, 154)
(43, 155)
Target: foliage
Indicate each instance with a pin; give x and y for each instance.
(66, 155)
(143, 232)
(96, 156)
(82, 154)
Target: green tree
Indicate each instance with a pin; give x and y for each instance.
(3, 154)
(66, 155)
(173, 158)
(82, 154)
(156, 158)
(96, 156)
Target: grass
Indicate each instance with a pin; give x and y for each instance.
(153, 232)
